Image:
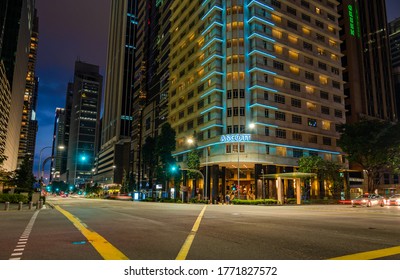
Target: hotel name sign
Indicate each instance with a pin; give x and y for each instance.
(230, 138)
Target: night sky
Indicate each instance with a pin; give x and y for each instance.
(71, 30)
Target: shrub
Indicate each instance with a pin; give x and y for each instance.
(254, 202)
(195, 200)
(13, 198)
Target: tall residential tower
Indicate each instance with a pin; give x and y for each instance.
(113, 159)
(274, 64)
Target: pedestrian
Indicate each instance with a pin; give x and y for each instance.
(227, 198)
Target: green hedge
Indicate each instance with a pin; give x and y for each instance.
(13, 198)
(195, 200)
(254, 202)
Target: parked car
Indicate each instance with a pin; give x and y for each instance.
(393, 200)
(368, 200)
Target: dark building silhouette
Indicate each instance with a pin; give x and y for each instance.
(366, 61)
(83, 123)
(16, 23)
(112, 163)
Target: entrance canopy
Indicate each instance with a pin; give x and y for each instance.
(289, 175)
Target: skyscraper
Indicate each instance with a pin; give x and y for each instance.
(16, 18)
(58, 164)
(84, 122)
(394, 36)
(368, 88)
(113, 158)
(151, 85)
(365, 45)
(29, 124)
(5, 103)
(275, 64)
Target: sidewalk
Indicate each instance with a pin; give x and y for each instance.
(17, 207)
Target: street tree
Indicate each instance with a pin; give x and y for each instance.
(24, 178)
(193, 163)
(372, 144)
(165, 145)
(6, 177)
(150, 158)
(325, 170)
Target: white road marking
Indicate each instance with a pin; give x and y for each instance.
(24, 238)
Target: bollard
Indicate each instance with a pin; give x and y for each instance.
(37, 205)
(40, 204)
(6, 205)
(30, 205)
(20, 205)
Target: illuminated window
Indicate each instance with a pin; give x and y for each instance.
(326, 125)
(311, 106)
(281, 151)
(276, 18)
(276, 34)
(294, 70)
(278, 49)
(317, 10)
(306, 31)
(292, 39)
(323, 80)
(278, 82)
(293, 55)
(309, 89)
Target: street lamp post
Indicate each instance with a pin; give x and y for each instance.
(40, 160)
(262, 183)
(44, 163)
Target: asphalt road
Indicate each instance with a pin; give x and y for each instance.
(160, 231)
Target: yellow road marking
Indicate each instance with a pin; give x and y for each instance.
(189, 240)
(371, 254)
(105, 248)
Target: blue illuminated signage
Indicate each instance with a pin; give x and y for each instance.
(236, 138)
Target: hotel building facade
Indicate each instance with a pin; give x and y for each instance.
(272, 64)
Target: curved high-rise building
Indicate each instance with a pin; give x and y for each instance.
(268, 63)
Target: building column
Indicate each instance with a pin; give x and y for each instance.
(223, 179)
(279, 186)
(215, 181)
(298, 190)
(207, 187)
(257, 177)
